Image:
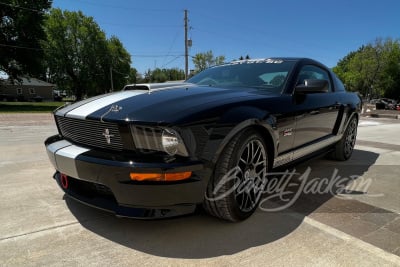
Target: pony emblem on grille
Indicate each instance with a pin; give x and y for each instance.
(107, 135)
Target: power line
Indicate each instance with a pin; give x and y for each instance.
(21, 47)
(128, 8)
(21, 7)
(132, 55)
(169, 62)
(254, 31)
(124, 25)
(135, 55)
(170, 48)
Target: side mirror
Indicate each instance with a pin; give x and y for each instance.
(311, 86)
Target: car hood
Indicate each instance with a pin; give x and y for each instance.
(158, 104)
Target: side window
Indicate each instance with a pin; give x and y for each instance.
(32, 91)
(19, 91)
(274, 78)
(313, 72)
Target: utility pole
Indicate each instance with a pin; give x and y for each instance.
(186, 46)
(111, 78)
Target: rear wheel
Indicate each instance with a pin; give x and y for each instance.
(344, 148)
(239, 177)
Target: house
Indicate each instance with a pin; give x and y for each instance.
(28, 89)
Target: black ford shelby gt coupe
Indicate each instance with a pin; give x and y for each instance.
(159, 150)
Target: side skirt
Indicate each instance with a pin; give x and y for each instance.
(304, 151)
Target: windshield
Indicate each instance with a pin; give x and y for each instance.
(263, 74)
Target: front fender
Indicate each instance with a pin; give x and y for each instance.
(242, 113)
(236, 120)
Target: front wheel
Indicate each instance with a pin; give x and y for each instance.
(344, 148)
(235, 189)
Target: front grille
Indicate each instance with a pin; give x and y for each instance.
(91, 133)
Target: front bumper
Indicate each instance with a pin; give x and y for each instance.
(102, 180)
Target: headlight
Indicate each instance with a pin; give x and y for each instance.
(158, 139)
(170, 141)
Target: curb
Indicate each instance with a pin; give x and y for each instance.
(387, 116)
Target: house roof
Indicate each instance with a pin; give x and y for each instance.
(29, 81)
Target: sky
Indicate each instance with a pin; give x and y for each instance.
(153, 30)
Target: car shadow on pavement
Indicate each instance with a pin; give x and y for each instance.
(329, 186)
(201, 236)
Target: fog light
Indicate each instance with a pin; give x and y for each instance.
(160, 177)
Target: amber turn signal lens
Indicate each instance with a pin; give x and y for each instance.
(160, 177)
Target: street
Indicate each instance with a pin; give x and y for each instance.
(358, 227)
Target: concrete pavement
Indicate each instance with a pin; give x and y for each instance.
(40, 226)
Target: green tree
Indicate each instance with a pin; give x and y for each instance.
(389, 77)
(21, 32)
(162, 75)
(242, 58)
(175, 74)
(134, 76)
(219, 60)
(119, 62)
(278, 80)
(373, 70)
(158, 76)
(205, 60)
(79, 56)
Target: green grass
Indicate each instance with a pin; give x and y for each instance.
(29, 106)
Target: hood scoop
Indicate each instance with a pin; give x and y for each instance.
(156, 86)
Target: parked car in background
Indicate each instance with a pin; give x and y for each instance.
(57, 97)
(384, 103)
(374, 101)
(7, 97)
(389, 103)
(159, 150)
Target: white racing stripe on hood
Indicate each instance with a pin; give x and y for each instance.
(85, 110)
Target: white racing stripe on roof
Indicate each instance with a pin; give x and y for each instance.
(85, 110)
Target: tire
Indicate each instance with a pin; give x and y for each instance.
(344, 148)
(234, 191)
